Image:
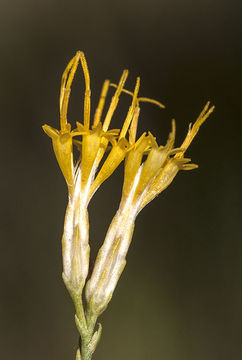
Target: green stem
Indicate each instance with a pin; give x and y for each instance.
(80, 313)
(85, 322)
(86, 325)
(85, 353)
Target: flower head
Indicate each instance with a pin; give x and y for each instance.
(143, 181)
(148, 169)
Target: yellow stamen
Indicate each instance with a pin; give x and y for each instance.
(140, 99)
(145, 99)
(63, 80)
(133, 126)
(192, 131)
(123, 90)
(87, 99)
(99, 110)
(66, 89)
(171, 138)
(131, 110)
(115, 100)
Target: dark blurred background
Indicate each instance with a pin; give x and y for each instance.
(179, 297)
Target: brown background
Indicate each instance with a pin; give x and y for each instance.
(179, 297)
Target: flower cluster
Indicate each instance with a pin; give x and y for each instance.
(148, 170)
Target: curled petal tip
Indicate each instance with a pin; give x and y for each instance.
(189, 167)
(50, 131)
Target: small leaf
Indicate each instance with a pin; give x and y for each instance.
(78, 355)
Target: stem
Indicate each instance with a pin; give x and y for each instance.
(85, 323)
(86, 348)
(80, 313)
(85, 353)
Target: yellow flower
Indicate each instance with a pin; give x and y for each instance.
(92, 142)
(177, 162)
(142, 182)
(62, 139)
(161, 165)
(148, 170)
(95, 140)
